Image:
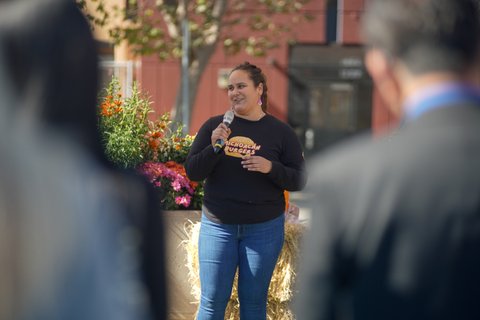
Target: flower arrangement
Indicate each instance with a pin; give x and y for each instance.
(123, 126)
(155, 148)
(170, 176)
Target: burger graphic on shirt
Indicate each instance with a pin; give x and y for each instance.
(240, 146)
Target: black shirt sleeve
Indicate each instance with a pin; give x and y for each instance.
(290, 173)
(201, 159)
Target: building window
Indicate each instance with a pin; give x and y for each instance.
(331, 98)
(331, 21)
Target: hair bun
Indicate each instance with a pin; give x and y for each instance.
(251, 65)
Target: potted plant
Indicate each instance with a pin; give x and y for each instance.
(156, 148)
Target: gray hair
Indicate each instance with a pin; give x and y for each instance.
(426, 35)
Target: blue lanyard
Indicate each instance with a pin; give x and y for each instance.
(447, 96)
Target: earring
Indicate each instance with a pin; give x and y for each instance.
(259, 102)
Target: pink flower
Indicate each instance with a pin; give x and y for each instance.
(183, 201)
(176, 185)
(171, 178)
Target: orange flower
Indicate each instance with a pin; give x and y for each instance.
(156, 134)
(177, 167)
(105, 111)
(194, 184)
(153, 144)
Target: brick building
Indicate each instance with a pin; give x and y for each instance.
(318, 85)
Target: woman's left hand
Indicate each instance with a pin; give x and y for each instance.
(256, 163)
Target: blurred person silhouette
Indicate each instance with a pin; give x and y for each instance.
(395, 223)
(50, 58)
(59, 257)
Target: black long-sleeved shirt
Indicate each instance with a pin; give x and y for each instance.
(234, 195)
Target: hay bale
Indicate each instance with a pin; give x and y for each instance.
(192, 229)
(283, 278)
(280, 292)
(275, 310)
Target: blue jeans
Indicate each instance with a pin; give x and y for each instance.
(254, 249)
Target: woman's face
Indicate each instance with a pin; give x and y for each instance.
(243, 94)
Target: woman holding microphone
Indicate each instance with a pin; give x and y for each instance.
(246, 163)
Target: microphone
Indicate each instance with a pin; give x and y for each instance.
(227, 120)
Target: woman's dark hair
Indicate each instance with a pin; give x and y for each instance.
(257, 76)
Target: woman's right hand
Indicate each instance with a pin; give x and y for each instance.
(221, 132)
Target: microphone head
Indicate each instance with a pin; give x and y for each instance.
(228, 117)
